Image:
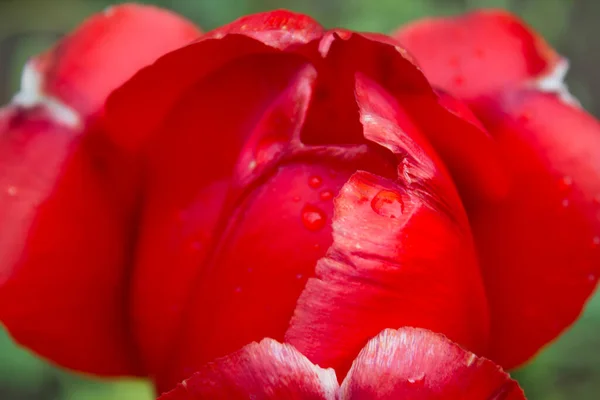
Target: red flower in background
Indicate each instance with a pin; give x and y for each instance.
(275, 180)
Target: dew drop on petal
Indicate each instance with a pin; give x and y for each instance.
(313, 218)
(11, 191)
(565, 184)
(565, 203)
(326, 195)
(296, 199)
(299, 276)
(315, 181)
(238, 289)
(388, 204)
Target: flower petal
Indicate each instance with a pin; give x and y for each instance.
(63, 245)
(201, 169)
(396, 260)
(66, 215)
(540, 248)
(477, 52)
(81, 70)
(280, 28)
(418, 364)
(265, 370)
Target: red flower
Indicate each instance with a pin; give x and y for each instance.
(404, 364)
(277, 180)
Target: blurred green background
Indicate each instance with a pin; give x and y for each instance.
(567, 369)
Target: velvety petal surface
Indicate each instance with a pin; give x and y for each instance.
(418, 364)
(261, 371)
(62, 246)
(477, 52)
(542, 239)
(540, 248)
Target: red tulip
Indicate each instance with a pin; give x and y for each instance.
(539, 248)
(276, 180)
(65, 237)
(404, 364)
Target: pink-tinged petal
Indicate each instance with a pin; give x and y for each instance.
(280, 29)
(63, 245)
(105, 51)
(261, 371)
(540, 248)
(418, 364)
(477, 52)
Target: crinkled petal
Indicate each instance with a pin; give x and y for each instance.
(105, 51)
(261, 371)
(477, 52)
(418, 364)
(396, 260)
(540, 248)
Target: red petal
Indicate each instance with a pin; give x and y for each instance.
(63, 246)
(141, 105)
(105, 51)
(540, 248)
(265, 370)
(280, 29)
(196, 188)
(418, 364)
(478, 52)
(455, 133)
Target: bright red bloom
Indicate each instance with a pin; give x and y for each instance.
(404, 364)
(66, 229)
(277, 180)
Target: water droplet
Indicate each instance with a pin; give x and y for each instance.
(565, 203)
(317, 246)
(252, 165)
(238, 289)
(592, 277)
(299, 276)
(565, 184)
(313, 218)
(296, 199)
(11, 191)
(388, 204)
(315, 181)
(326, 195)
(416, 378)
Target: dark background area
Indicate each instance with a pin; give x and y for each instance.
(567, 369)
